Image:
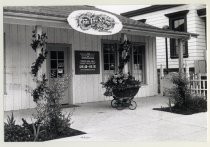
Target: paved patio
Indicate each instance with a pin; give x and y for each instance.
(103, 123)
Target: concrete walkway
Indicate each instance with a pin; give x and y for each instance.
(103, 123)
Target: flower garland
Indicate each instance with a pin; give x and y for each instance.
(38, 41)
(124, 50)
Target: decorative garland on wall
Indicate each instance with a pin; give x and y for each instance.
(124, 51)
(39, 42)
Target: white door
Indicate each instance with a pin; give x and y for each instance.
(57, 66)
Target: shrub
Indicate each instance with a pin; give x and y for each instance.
(49, 108)
(197, 103)
(16, 133)
(182, 98)
(180, 91)
(47, 97)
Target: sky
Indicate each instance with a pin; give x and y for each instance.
(120, 8)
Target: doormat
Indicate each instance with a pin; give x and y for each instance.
(69, 106)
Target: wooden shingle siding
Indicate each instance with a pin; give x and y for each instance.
(85, 88)
(195, 24)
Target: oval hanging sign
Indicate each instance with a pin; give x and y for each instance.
(94, 22)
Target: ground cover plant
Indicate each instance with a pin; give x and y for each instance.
(181, 100)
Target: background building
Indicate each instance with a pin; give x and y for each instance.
(185, 18)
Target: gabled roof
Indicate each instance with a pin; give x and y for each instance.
(149, 9)
(62, 13)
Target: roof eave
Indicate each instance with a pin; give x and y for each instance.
(160, 33)
(149, 9)
(156, 32)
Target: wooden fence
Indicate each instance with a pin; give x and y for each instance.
(198, 84)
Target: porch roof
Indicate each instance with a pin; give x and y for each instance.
(62, 12)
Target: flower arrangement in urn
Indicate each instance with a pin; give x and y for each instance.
(122, 84)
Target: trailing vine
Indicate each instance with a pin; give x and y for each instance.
(39, 41)
(124, 50)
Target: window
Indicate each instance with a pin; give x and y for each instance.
(57, 64)
(109, 52)
(139, 63)
(178, 22)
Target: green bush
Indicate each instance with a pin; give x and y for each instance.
(49, 108)
(197, 103)
(180, 91)
(37, 131)
(181, 97)
(16, 133)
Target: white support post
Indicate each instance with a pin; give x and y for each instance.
(161, 71)
(187, 70)
(180, 42)
(161, 79)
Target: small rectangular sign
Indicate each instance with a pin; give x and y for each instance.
(87, 62)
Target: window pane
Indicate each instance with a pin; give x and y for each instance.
(106, 58)
(60, 63)
(53, 63)
(112, 66)
(53, 55)
(134, 50)
(60, 72)
(135, 59)
(112, 48)
(179, 25)
(60, 55)
(106, 66)
(54, 73)
(112, 58)
(106, 48)
(140, 59)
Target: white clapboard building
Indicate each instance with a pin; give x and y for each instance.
(185, 18)
(64, 43)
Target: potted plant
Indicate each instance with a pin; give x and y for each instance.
(121, 85)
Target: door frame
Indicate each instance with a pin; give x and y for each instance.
(69, 66)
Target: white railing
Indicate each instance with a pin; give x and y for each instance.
(198, 84)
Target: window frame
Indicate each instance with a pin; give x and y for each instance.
(144, 80)
(115, 42)
(144, 68)
(172, 17)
